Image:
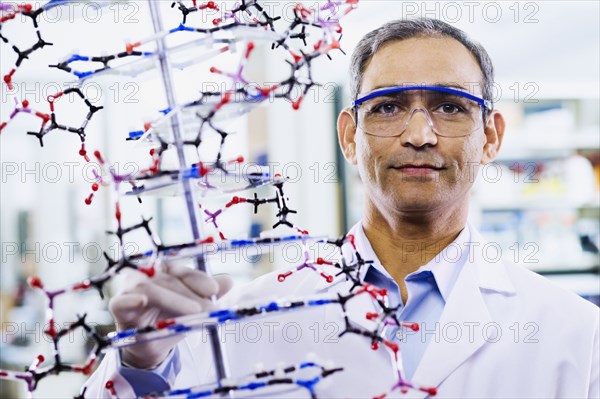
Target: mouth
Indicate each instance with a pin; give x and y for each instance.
(418, 169)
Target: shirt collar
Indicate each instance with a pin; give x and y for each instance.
(445, 266)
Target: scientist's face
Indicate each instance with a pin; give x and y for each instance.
(419, 170)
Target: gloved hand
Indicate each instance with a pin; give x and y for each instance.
(176, 291)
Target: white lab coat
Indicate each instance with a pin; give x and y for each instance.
(505, 332)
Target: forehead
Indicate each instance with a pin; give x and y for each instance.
(428, 60)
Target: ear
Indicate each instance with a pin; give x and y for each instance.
(494, 133)
(346, 127)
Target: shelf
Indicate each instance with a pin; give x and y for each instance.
(555, 203)
(526, 145)
(541, 205)
(570, 271)
(586, 285)
(555, 90)
(584, 263)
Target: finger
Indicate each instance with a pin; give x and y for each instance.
(225, 283)
(128, 278)
(174, 284)
(127, 307)
(172, 303)
(197, 281)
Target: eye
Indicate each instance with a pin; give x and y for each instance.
(450, 109)
(385, 108)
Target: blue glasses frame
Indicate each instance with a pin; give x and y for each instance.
(488, 105)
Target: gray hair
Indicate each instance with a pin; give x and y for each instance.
(411, 28)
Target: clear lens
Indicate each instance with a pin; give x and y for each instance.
(449, 115)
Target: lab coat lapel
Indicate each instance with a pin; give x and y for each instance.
(465, 305)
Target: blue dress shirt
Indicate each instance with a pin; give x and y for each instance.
(159, 379)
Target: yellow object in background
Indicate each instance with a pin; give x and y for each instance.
(545, 187)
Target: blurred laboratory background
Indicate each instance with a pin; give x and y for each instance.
(539, 202)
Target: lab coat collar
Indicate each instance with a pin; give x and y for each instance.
(365, 250)
(445, 266)
(490, 273)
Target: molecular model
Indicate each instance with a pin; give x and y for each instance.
(178, 128)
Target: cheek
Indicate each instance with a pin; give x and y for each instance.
(369, 158)
(363, 152)
(363, 163)
(468, 159)
(473, 149)
(464, 155)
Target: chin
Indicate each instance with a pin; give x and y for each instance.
(412, 203)
(415, 206)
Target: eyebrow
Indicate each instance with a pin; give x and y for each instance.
(444, 87)
(448, 85)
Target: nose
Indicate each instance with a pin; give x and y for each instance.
(421, 131)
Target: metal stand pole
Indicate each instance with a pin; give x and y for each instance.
(176, 126)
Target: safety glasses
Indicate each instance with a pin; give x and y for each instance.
(449, 112)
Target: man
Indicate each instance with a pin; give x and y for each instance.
(420, 125)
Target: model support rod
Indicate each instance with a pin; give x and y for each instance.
(176, 125)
